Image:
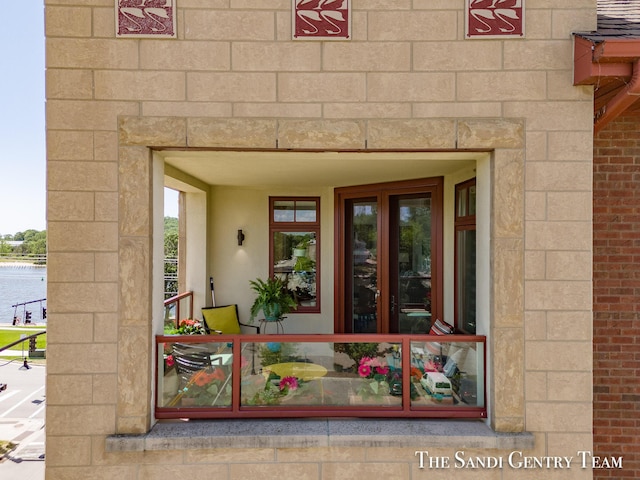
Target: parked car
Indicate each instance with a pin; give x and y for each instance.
(395, 386)
(437, 385)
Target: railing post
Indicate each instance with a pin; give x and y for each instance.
(235, 374)
(406, 373)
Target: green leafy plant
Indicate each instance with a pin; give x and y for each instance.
(273, 298)
(304, 264)
(278, 352)
(304, 243)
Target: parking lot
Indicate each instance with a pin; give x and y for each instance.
(22, 413)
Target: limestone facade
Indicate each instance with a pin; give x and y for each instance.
(407, 80)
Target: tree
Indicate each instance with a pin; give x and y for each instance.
(5, 247)
(171, 233)
(35, 242)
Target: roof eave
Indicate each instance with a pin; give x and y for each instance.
(598, 58)
(594, 59)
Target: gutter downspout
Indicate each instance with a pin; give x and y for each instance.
(618, 104)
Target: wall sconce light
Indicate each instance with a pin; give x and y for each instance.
(240, 237)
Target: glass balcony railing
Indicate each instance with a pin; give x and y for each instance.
(209, 376)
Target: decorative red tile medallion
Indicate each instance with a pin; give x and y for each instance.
(495, 18)
(321, 19)
(145, 18)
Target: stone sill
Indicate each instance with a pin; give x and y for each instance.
(310, 433)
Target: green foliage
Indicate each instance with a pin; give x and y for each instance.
(271, 293)
(270, 395)
(34, 242)
(304, 264)
(278, 352)
(357, 351)
(6, 447)
(171, 230)
(171, 237)
(186, 326)
(304, 242)
(5, 248)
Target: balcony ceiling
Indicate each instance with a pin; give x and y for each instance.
(314, 169)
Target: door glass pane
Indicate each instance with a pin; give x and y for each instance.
(364, 281)
(466, 279)
(412, 305)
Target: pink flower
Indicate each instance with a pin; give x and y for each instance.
(382, 370)
(365, 361)
(375, 362)
(170, 360)
(364, 370)
(290, 383)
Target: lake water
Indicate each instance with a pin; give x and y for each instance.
(19, 284)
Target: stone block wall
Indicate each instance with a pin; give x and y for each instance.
(616, 293)
(234, 78)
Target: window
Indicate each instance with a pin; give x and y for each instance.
(294, 236)
(465, 251)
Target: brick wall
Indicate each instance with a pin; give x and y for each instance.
(616, 276)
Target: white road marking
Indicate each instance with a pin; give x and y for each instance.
(21, 402)
(8, 394)
(38, 410)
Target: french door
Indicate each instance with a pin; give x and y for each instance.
(389, 257)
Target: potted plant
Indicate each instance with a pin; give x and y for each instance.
(300, 250)
(273, 299)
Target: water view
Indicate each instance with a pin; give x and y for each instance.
(19, 284)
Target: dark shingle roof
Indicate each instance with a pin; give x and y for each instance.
(617, 19)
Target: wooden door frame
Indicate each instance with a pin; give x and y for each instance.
(382, 192)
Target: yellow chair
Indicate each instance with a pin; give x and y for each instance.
(224, 320)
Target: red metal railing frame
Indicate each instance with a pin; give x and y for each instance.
(405, 410)
(176, 299)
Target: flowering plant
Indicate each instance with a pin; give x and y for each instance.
(373, 372)
(272, 393)
(187, 326)
(169, 362)
(288, 384)
(208, 387)
(433, 365)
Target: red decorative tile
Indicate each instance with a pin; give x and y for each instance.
(322, 19)
(145, 18)
(495, 18)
